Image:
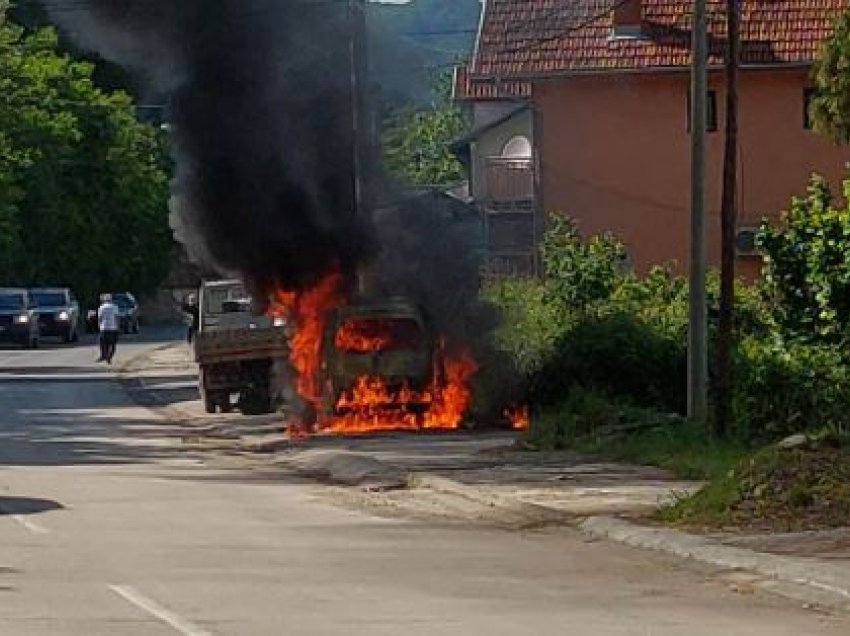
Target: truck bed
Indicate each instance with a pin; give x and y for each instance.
(231, 345)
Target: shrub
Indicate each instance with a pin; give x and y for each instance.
(580, 272)
(786, 388)
(531, 323)
(618, 355)
(807, 265)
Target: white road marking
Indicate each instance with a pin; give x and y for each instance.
(178, 623)
(29, 525)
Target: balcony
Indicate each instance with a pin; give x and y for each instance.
(509, 218)
(509, 182)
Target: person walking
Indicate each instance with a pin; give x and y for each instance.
(108, 324)
(193, 312)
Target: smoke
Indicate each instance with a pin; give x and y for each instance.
(260, 105)
(431, 254)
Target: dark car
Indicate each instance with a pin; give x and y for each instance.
(58, 313)
(18, 318)
(128, 313)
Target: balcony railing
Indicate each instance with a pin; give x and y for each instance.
(509, 181)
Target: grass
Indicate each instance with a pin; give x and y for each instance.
(589, 423)
(775, 490)
(686, 452)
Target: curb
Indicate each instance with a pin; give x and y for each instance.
(538, 515)
(811, 580)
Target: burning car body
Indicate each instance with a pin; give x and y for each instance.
(373, 365)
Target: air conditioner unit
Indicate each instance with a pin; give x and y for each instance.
(745, 241)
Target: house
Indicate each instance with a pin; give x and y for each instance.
(589, 102)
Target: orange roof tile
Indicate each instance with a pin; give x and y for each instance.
(521, 39)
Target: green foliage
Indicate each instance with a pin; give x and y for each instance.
(619, 355)
(83, 185)
(580, 272)
(807, 265)
(530, 325)
(785, 388)
(590, 323)
(417, 142)
(830, 109)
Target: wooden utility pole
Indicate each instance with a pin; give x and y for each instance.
(697, 320)
(728, 221)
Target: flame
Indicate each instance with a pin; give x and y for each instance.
(519, 417)
(369, 405)
(372, 406)
(352, 336)
(308, 311)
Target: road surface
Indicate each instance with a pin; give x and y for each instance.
(108, 526)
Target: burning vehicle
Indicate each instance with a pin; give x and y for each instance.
(371, 365)
(380, 351)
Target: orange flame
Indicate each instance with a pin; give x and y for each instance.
(308, 311)
(519, 417)
(351, 336)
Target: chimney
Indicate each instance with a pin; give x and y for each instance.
(628, 19)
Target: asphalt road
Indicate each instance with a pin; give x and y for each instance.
(108, 526)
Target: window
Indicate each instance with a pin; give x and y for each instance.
(711, 115)
(808, 97)
(517, 148)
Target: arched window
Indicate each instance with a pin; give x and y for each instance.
(517, 148)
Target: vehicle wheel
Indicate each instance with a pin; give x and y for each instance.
(255, 402)
(207, 397)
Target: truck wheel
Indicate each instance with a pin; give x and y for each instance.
(207, 397)
(255, 402)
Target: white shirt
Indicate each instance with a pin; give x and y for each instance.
(107, 317)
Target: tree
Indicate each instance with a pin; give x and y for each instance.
(728, 221)
(807, 266)
(417, 142)
(830, 107)
(83, 184)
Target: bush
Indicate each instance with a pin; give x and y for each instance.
(807, 266)
(580, 272)
(531, 322)
(788, 388)
(618, 355)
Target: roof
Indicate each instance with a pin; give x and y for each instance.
(523, 39)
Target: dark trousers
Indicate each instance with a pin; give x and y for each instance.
(108, 344)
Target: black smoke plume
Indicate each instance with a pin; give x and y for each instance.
(259, 97)
(431, 253)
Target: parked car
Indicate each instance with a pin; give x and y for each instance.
(128, 313)
(18, 318)
(58, 313)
